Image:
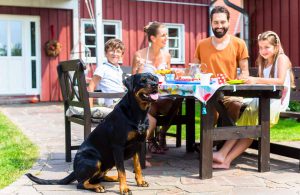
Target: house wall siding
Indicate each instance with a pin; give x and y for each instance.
(135, 15)
(61, 22)
(283, 17)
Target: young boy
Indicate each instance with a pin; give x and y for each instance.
(108, 77)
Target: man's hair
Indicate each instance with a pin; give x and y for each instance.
(219, 9)
(114, 44)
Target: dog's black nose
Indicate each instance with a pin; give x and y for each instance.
(153, 84)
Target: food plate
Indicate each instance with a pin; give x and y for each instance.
(235, 82)
(183, 82)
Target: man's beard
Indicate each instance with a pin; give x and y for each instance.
(220, 34)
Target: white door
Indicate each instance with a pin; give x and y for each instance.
(19, 56)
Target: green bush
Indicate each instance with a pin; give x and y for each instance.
(294, 106)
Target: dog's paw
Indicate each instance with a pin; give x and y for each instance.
(126, 192)
(99, 189)
(143, 184)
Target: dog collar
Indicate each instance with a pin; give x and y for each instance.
(142, 127)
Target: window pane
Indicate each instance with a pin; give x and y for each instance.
(174, 53)
(32, 35)
(106, 38)
(33, 74)
(89, 29)
(90, 40)
(16, 40)
(3, 38)
(173, 32)
(109, 29)
(173, 43)
(93, 51)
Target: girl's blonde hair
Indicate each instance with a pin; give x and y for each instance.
(274, 40)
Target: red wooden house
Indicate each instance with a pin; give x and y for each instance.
(27, 72)
(30, 25)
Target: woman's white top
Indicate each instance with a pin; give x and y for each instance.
(149, 67)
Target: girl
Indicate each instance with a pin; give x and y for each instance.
(150, 59)
(275, 69)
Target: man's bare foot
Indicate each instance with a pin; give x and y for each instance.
(220, 166)
(218, 157)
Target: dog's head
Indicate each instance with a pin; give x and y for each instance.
(144, 86)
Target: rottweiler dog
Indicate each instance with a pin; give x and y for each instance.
(118, 138)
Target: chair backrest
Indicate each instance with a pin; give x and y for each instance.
(73, 85)
(295, 93)
(127, 70)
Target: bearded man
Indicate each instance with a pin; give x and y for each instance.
(223, 54)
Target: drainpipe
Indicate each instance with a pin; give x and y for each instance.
(211, 4)
(246, 22)
(99, 33)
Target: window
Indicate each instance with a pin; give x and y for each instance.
(111, 29)
(176, 43)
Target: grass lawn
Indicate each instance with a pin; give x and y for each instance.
(17, 152)
(285, 130)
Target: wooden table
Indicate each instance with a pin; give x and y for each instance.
(209, 133)
(228, 131)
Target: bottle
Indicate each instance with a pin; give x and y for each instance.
(238, 72)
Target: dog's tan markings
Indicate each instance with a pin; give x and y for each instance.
(111, 178)
(131, 135)
(96, 187)
(144, 105)
(138, 172)
(99, 173)
(123, 185)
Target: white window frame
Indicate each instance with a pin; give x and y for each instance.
(118, 35)
(181, 42)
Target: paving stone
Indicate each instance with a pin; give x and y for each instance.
(176, 172)
(264, 191)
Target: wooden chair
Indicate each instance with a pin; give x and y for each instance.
(74, 91)
(173, 117)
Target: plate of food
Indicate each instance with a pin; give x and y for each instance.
(163, 71)
(183, 82)
(236, 82)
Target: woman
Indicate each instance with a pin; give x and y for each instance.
(275, 69)
(150, 59)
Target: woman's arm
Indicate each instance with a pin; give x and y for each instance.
(134, 64)
(137, 63)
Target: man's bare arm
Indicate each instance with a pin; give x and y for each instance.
(243, 64)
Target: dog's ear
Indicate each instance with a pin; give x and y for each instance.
(128, 82)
